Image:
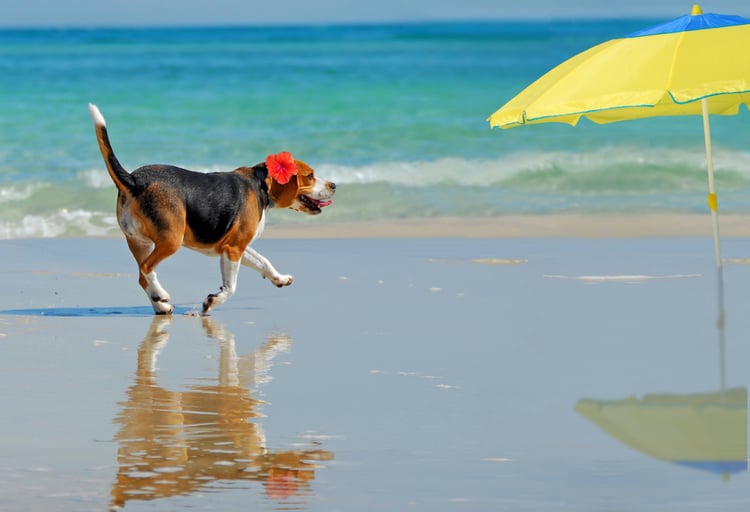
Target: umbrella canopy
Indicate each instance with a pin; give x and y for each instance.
(695, 64)
(661, 71)
(706, 431)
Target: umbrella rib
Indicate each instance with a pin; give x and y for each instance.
(673, 64)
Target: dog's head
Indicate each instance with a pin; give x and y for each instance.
(303, 191)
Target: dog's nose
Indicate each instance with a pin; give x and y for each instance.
(332, 185)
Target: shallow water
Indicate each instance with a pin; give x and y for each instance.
(393, 375)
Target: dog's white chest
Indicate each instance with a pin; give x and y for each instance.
(261, 227)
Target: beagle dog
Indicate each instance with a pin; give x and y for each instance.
(163, 207)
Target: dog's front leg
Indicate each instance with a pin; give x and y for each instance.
(229, 272)
(251, 258)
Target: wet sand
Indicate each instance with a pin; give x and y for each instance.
(417, 372)
(523, 226)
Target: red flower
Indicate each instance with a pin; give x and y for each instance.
(279, 486)
(281, 167)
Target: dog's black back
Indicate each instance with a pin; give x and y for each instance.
(212, 201)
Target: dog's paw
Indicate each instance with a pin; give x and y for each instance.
(282, 280)
(159, 296)
(160, 302)
(163, 308)
(208, 304)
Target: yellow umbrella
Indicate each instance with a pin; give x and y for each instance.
(693, 65)
(705, 431)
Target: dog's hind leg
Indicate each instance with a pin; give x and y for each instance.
(148, 256)
(230, 269)
(253, 259)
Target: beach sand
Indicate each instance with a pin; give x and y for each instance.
(421, 365)
(524, 226)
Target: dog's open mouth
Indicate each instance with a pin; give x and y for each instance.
(314, 204)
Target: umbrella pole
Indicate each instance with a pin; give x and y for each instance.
(714, 205)
(712, 200)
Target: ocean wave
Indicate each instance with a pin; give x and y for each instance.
(94, 178)
(20, 192)
(617, 168)
(610, 179)
(61, 223)
(620, 169)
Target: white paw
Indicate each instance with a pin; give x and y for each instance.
(162, 308)
(282, 280)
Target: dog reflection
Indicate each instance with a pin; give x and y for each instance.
(176, 442)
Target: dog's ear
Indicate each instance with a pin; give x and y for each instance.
(283, 196)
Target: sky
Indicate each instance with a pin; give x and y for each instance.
(92, 13)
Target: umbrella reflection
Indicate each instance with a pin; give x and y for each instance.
(178, 442)
(706, 431)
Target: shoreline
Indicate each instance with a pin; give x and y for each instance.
(522, 226)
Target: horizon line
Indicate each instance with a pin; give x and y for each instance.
(321, 23)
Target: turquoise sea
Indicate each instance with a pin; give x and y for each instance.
(395, 114)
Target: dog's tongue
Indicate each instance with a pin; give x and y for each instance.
(323, 204)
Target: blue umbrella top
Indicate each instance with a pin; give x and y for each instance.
(696, 20)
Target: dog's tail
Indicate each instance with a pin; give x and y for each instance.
(122, 178)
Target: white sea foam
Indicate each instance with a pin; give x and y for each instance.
(20, 192)
(95, 178)
(60, 223)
